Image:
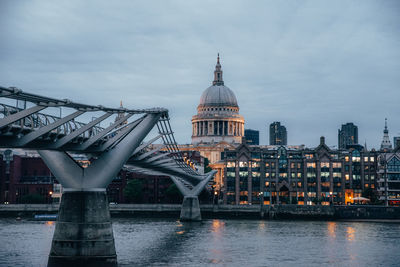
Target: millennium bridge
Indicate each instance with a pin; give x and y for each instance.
(83, 234)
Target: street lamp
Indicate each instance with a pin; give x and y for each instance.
(331, 197)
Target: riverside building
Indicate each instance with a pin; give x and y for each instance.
(295, 174)
(389, 177)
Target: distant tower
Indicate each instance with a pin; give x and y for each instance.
(347, 135)
(252, 136)
(121, 114)
(277, 134)
(386, 140)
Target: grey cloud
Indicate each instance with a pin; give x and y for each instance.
(311, 64)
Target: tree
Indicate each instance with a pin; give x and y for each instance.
(133, 190)
(370, 193)
(33, 199)
(206, 167)
(173, 193)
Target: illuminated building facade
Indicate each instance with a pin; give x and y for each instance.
(389, 177)
(297, 175)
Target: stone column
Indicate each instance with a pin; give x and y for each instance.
(223, 128)
(83, 235)
(190, 210)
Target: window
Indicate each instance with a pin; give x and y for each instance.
(311, 164)
(230, 174)
(267, 164)
(365, 159)
(243, 164)
(347, 177)
(243, 174)
(255, 164)
(394, 165)
(346, 158)
(355, 156)
(231, 164)
(372, 159)
(324, 164)
(337, 165)
(267, 174)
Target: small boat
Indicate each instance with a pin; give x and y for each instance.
(46, 217)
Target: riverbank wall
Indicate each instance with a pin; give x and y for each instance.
(318, 212)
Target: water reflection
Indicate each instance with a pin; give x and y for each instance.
(167, 246)
(332, 229)
(50, 223)
(350, 233)
(167, 242)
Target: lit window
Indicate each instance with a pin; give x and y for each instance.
(267, 174)
(346, 158)
(372, 159)
(243, 164)
(230, 164)
(337, 165)
(365, 159)
(347, 177)
(311, 165)
(324, 164)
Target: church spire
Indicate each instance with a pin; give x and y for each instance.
(386, 140)
(218, 74)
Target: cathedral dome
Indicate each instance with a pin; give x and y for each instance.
(217, 117)
(218, 95)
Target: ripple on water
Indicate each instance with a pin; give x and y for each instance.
(168, 242)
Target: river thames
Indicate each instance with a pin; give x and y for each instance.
(168, 242)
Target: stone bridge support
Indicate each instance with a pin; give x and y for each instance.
(83, 235)
(190, 210)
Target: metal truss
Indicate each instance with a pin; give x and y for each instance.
(113, 147)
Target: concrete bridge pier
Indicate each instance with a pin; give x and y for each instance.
(190, 210)
(83, 235)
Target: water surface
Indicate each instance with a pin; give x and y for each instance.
(168, 242)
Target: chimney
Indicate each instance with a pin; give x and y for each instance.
(322, 140)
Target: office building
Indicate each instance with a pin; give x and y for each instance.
(277, 134)
(347, 135)
(252, 137)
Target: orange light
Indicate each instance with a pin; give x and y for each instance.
(50, 193)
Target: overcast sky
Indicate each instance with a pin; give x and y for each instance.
(313, 65)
